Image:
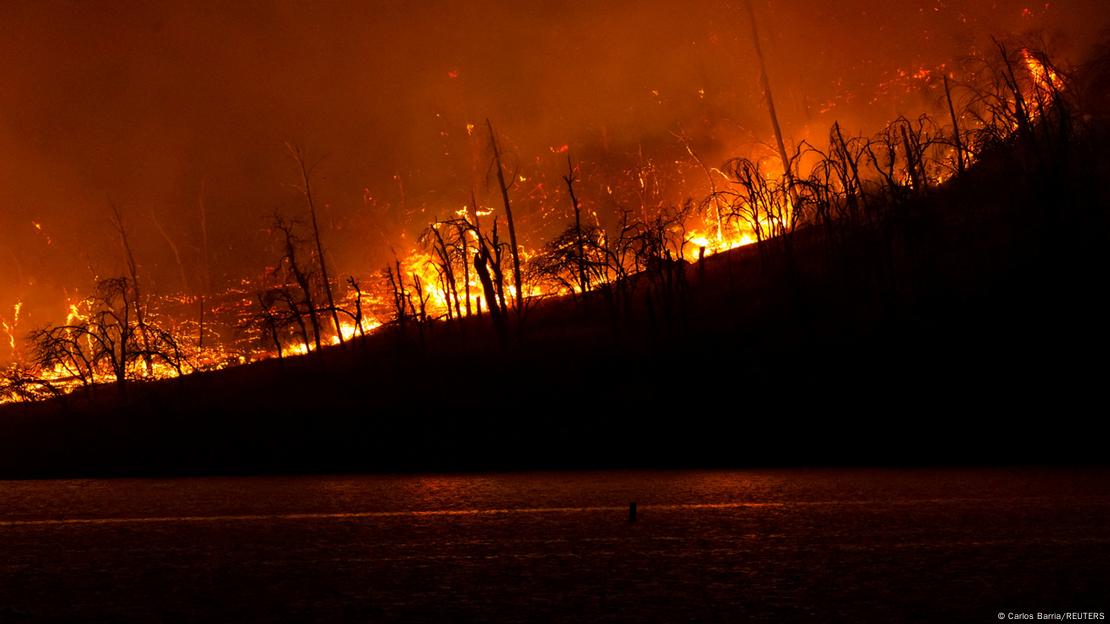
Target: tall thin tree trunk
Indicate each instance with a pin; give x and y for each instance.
(955, 127)
(298, 155)
(765, 83)
(302, 281)
(481, 260)
(133, 269)
(583, 285)
(1021, 109)
(916, 176)
(466, 268)
(519, 301)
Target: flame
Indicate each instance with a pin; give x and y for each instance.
(9, 329)
(1045, 78)
(703, 234)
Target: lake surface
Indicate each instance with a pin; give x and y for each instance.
(773, 546)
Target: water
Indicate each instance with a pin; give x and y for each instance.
(837, 545)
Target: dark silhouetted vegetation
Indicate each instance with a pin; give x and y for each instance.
(907, 294)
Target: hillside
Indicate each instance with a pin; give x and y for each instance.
(967, 325)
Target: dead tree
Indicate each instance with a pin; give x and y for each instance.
(957, 144)
(883, 151)
(847, 156)
(295, 316)
(306, 171)
(482, 261)
(133, 271)
(574, 258)
(111, 326)
(1009, 77)
(518, 302)
(353, 283)
(268, 321)
(463, 231)
(765, 83)
(583, 281)
(108, 339)
(65, 350)
(750, 198)
(444, 264)
(166, 348)
(401, 300)
(303, 279)
(104, 342)
(495, 251)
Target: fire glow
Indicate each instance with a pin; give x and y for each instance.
(472, 263)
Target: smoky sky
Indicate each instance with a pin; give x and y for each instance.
(160, 107)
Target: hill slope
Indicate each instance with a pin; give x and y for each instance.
(965, 326)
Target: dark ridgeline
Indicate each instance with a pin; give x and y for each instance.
(882, 317)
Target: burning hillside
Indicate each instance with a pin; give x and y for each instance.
(500, 220)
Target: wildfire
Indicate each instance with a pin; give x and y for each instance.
(1045, 78)
(753, 201)
(9, 328)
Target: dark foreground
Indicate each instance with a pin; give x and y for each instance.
(774, 546)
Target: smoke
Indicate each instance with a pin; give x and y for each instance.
(160, 107)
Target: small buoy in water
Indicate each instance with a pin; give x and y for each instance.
(632, 511)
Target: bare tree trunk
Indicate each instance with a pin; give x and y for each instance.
(765, 82)
(518, 303)
(583, 284)
(270, 325)
(480, 261)
(450, 289)
(466, 269)
(400, 297)
(1021, 110)
(955, 128)
(498, 275)
(466, 249)
(422, 315)
(298, 318)
(302, 280)
(494, 264)
(853, 167)
(133, 269)
(119, 360)
(298, 155)
(916, 178)
(358, 305)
